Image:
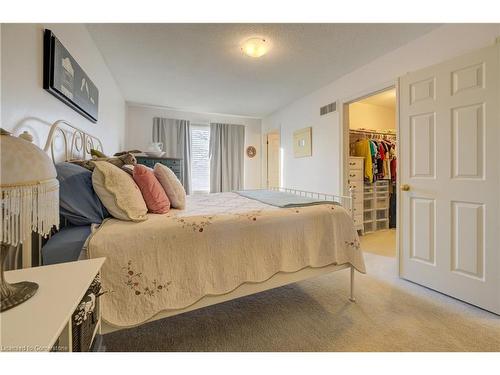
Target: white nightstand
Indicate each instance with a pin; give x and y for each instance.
(38, 323)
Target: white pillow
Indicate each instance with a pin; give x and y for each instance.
(172, 186)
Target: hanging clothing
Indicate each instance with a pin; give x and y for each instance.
(387, 169)
(385, 159)
(393, 169)
(378, 151)
(373, 148)
(374, 152)
(363, 148)
(381, 150)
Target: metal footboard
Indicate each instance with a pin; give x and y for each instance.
(343, 200)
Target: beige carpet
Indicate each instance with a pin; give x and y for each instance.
(315, 315)
(382, 242)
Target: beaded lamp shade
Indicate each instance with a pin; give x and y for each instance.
(29, 193)
(29, 190)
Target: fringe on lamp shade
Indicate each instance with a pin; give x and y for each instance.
(27, 208)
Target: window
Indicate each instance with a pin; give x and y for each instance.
(200, 163)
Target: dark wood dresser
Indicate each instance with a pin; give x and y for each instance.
(174, 164)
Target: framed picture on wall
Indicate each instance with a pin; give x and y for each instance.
(65, 79)
(302, 146)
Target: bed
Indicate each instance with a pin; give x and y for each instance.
(221, 247)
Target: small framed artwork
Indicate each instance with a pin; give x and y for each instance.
(302, 142)
(66, 80)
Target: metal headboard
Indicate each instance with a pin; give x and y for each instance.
(76, 142)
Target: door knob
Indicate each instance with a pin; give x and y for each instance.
(405, 187)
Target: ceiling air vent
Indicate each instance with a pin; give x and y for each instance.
(332, 107)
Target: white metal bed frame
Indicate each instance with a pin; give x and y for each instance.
(79, 147)
(344, 200)
(81, 141)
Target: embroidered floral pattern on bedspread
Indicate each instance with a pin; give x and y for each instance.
(328, 207)
(251, 216)
(355, 244)
(195, 224)
(134, 281)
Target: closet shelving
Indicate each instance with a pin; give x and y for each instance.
(376, 206)
(376, 194)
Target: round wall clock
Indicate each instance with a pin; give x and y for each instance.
(251, 151)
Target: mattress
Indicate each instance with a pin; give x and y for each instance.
(281, 199)
(66, 245)
(216, 244)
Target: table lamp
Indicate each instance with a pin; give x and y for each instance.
(29, 193)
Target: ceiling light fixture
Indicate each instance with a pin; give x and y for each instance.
(255, 47)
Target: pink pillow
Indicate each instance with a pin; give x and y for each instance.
(155, 197)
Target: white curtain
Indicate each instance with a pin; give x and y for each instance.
(176, 138)
(226, 151)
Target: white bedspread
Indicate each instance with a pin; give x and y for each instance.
(217, 243)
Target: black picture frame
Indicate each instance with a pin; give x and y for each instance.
(66, 80)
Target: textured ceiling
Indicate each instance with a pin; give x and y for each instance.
(200, 67)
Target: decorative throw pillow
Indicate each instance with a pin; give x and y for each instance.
(78, 201)
(97, 154)
(129, 168)
(155, 197)
(87, 164)
(128, 152)
(119, 161)
(172, 186)
(118, 192)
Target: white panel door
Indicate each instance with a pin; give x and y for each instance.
(449, 147)
(273, 160)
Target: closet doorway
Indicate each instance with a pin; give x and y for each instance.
(372, 168)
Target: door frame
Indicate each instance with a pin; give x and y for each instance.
(344, 151)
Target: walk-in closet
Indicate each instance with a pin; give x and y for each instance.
(373, 165)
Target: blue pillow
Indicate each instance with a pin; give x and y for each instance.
(78, 202)
(66, 245)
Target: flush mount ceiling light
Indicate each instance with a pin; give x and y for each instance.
(255, 47)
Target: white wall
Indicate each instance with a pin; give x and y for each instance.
(322, 172)
(138, 132)
(26, 105)
(370, 116)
